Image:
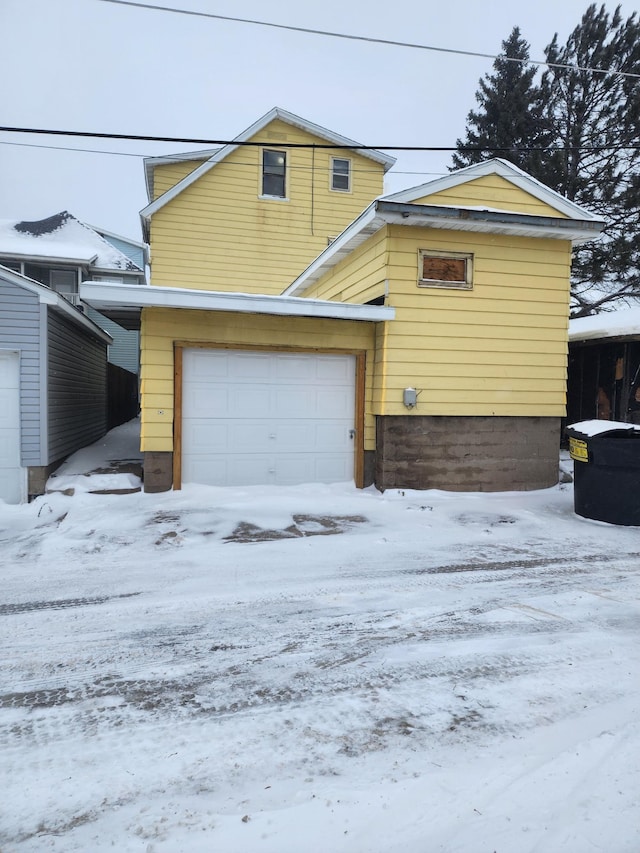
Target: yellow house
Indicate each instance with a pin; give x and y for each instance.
(301, 328)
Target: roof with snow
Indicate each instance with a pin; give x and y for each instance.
(61, 237)
(609, 324)
(215, 156)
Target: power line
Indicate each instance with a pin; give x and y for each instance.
(300, 145)
(371, 40)
(186, 159)
(67, 148)
(240, 165)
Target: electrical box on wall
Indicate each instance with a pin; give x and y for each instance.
(410, 397)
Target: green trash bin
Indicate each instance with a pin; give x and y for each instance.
(606, 479)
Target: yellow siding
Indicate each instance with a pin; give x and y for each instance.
(167, 176)
(161, 327)
(358, 278)
(497, 349)
(218, 234)
(491, 191)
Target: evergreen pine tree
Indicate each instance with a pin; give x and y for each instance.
(595, 160)
(509, 119)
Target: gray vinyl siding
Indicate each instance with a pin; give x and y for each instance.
(77, 387)
(20, 323)
(125, 350)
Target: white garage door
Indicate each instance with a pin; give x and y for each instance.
(267, 418)
(12, 476)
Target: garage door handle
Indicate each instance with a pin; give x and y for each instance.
(352, 433)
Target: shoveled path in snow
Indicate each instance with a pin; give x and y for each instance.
(455, 673)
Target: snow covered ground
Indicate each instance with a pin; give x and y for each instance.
(293, 670)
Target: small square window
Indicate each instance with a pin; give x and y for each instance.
(445, 269)
(274, 170)
(340, 174)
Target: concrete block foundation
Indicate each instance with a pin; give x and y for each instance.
(158, 471)
(479, 454)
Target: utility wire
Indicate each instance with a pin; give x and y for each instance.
(301, 145)
(67, 148)
(187, 159)
(370, 40)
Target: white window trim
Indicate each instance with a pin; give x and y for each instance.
(265, 196)
(448, 285)
(349, 174)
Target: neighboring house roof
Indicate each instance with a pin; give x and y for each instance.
(215, 156)
(384, 212)
(610, 324)
(144, 248)
(505, 170)
(62, 238)
(46, 296)
(124, 300)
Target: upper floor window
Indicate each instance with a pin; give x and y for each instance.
(340, 174)
(64, 281)
(274, 171)
(445, 269)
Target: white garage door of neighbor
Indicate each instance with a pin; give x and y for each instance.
(12, 476)
(251, 418)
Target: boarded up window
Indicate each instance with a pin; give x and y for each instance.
(445, 269)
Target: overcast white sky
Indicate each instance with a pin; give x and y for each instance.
(95, 66)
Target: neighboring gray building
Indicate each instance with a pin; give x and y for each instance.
(61, 252)
(53, 383)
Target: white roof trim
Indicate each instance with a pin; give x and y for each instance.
(221, 153)
(52, 260)
(104, 295)
(384, 212)
(103, 231)
(46, 296)
(509, 172)
(136, 273)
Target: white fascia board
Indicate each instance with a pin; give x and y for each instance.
(137, 272)
(505, 170)
(335, 138)
(490, 221)
(110, 295)
(151, 162)
(246, 135)
(175, 190)
(85, 261)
